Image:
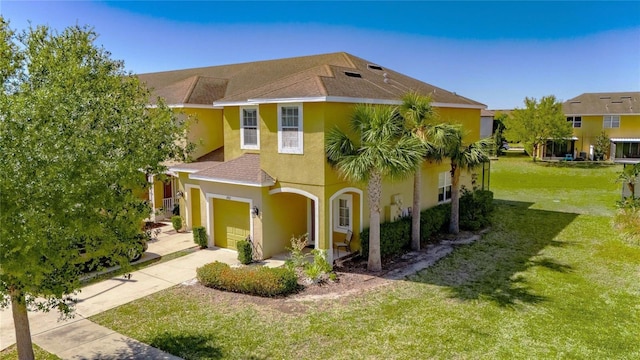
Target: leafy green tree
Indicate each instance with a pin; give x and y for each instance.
(601, 146)
(462, 157)
(379, 148)
(538, 122)
(498, 132)
(419, 115)
(77, 138)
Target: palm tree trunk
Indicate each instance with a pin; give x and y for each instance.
(454, 224)
(21, 324)
(374, 188)
(415, 210)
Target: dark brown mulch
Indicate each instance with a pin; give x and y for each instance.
(353, 279)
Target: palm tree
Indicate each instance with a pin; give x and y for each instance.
(629, 176)
(418, 114)
(381, 149)
(463, 157)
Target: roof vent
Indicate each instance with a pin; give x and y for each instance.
(575, 102)
(605, 97)
(374, 67)
(352, 74)
(617, 102)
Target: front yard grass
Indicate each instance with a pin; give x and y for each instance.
(11, 353)
(551, 280)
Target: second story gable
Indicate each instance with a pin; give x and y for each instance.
(617, 113)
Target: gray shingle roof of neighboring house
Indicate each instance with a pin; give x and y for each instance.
(206, 161)
(495, 112)
(485, 112)
(241, 170)
(332, 77)
(616, 103)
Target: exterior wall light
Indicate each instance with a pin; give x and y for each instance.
(255, 211)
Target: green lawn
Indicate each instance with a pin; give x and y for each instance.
(551, 280)
(11, 353)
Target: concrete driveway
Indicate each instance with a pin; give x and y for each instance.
(79, 338)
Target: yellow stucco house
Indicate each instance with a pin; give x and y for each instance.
(261, 171)
(617, 113)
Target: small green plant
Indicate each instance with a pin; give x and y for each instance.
(245, 254)
(601, 147)
(627, 220)
(176, 221)
(475, 209)
(298, 258)
(200, 236)
(317, 270)
(261, 281)
(320, 269)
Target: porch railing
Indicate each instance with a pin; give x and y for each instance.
(167, 205)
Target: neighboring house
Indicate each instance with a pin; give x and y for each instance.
(618, 114)
(486, 123)
(267, 178)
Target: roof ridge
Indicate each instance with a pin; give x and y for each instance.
(191, 87)
(348, 56)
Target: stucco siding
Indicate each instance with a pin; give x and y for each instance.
(469, 118)
(205, 130)
(284, 216)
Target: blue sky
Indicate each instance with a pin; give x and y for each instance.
(493, 52)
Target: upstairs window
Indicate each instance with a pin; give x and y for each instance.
(611, 121)
(290, 129)
(576, 121)
(249, 128)
(444, 186)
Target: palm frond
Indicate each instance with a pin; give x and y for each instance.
(384, 145)
(338, 145)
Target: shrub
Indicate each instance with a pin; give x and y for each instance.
(200, 236)
(318, 270)
(395, 237)
(434, 220)
(176, 221)
(627, 220)
(475, 209)
(261, 281)
(245, 254)
(298, 258)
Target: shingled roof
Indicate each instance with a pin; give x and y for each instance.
(243, 170)
(616, 103)
(326, 77)
(206, 161)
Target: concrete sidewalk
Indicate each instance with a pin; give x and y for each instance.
(79, 338)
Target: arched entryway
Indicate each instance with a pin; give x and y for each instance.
(293, 212)
(345, 215)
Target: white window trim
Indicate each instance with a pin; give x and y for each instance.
(446, 184)
(610, 121)
(336, 213)
(242, 144)
(574, 121)
(300, 148)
